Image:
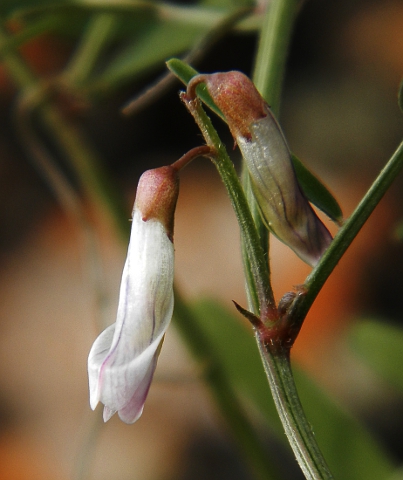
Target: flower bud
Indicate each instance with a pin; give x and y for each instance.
(123, 358)
(284, 208)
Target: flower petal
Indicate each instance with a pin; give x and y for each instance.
(285, 210)
(134, 408)
(123, 358)
(98, 352)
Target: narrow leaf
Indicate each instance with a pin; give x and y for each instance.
(400, 96)
(159, 41)
(316, 192)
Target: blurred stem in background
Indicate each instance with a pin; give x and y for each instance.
(73, 146)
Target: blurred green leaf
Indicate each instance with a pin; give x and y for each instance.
(400, 96)
(316, 192)
(226, 3)
(398, 231)
(380, 345)
(351, 452)
(160, 41)
(46, 24)
(7, 7)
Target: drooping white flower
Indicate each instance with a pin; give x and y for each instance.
(284, 207)
(123, 358)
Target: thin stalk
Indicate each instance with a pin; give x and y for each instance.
(292, 416)
(95, 38)
(344, 237)
(273, 49)
(80, 155)
(268, 78)
(263, 237)
(224, 394)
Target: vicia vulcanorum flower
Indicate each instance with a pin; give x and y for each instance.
(285, 209)
(123, 358)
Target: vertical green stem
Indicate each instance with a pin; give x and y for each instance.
(273, 48)
(275, 360)
(73, 145)
(292, 416)
(268, 78)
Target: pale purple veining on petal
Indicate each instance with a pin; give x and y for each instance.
(284, 207)
(134, 408)
(123, 358)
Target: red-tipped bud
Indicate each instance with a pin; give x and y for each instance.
(237, 98)
(157, 193)
(285, 209)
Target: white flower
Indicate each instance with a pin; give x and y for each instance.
(123, 358)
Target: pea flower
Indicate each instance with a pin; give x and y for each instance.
(123, 358)
(284, 207)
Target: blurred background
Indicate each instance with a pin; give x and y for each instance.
(59, 285)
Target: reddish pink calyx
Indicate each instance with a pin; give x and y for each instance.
(157, 194)
(236, 96)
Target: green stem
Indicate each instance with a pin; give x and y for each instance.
(250, 237)
(273, 48)
(268, 77)
(263, 235)
(344, 237)
(94, 40)
(73, 145)
(224, 394)
(292, 416)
